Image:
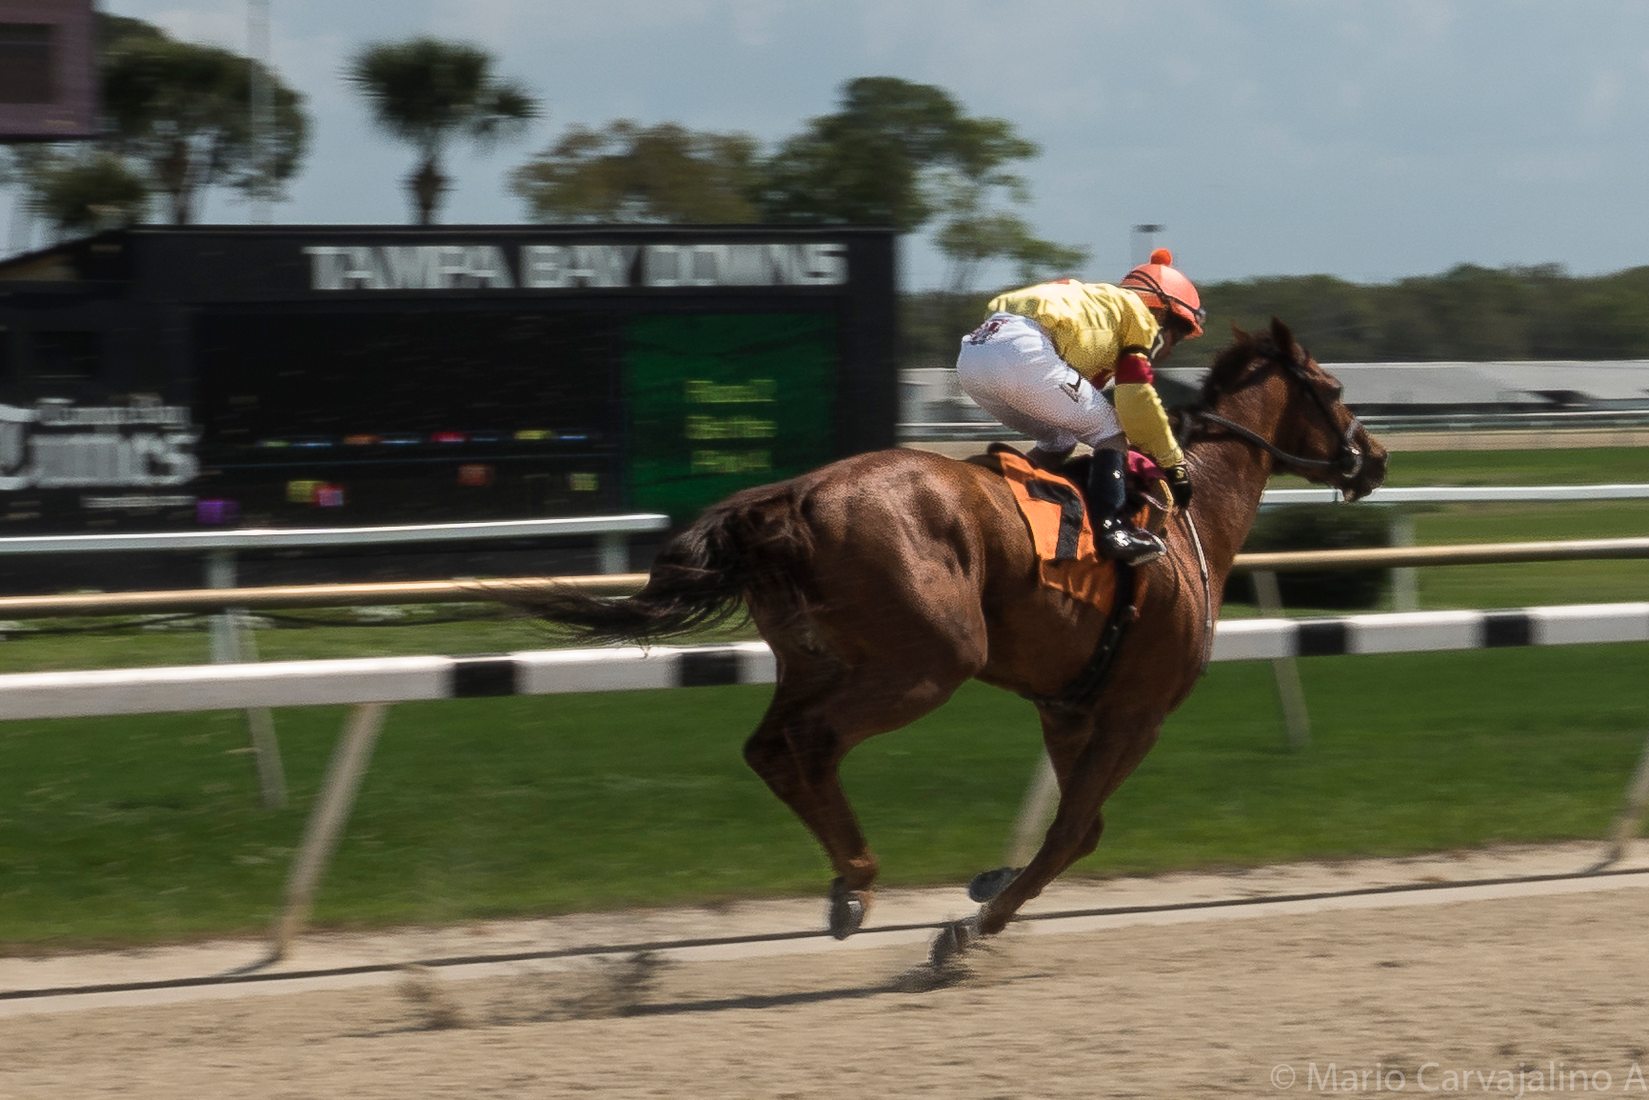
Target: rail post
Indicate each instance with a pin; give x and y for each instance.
(1405, 580)
(1036, 813)
(233, 644)
(614, 552)
(1632, 813)
(1285, 671)
(326, 821)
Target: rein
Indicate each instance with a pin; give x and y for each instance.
(1348, 462)
(1207, 593)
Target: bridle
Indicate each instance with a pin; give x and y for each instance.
(1348, 462)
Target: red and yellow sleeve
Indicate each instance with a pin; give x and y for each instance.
(1140, 410)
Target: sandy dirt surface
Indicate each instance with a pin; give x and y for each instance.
(1537, 992)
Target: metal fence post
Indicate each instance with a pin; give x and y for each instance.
(1631, 815)
(1405, 580)
(327, 819)
(233, 644)
(1285, 671)
(1036, 813)
(614, 551)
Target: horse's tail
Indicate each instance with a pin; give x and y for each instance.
(755, 545)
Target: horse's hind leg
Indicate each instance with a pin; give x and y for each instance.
(816, 716)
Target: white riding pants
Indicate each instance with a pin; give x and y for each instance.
(1009, 367)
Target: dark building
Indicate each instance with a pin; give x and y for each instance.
(165, 378)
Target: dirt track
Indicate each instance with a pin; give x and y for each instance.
(1465, 999)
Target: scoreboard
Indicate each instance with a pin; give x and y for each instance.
(177, 378)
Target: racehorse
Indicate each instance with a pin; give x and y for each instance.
(884, 581)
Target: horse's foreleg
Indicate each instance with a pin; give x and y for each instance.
(1063, 736)
(1089, 770)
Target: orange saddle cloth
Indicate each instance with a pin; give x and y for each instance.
(1057, 518)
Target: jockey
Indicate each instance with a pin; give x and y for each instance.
(1038, 364)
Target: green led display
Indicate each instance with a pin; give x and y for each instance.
(719, 402)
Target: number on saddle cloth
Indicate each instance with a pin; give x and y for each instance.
(1072, 513)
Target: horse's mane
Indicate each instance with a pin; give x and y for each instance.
(1231, 366)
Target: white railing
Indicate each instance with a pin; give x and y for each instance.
(630, 668)
(611, 533)
(1445, 420)
(1463, 494)
(230, 642)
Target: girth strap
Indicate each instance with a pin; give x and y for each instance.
(1079, 695)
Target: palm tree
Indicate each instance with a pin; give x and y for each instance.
(427, 91)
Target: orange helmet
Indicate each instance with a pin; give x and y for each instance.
(1163, 287)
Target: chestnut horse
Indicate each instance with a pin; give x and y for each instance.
(885, 581)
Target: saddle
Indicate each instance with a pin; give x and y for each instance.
(1056, 515)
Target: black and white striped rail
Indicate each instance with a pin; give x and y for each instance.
(552, 672)
(1423, 631)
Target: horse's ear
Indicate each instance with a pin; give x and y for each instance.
(1240, 336)
(1283, 337)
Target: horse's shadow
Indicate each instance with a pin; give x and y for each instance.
(926, 978)
(436, 1010)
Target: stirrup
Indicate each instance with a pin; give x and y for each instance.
(1120, 541)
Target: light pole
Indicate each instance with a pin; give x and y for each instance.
(1143, 234)
(262, 105)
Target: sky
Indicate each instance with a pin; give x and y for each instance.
(1368, 139)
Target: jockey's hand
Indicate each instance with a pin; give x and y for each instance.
(1179, 485)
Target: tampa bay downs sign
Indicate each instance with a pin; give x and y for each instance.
(458, 265)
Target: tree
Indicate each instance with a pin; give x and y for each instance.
(178, 118)
(906, 155)
(183, 112)
(1469, 313)
(973, 180)
(427, 92)
(865, 164)
(109, 30)
(82, 191)
(633, 173)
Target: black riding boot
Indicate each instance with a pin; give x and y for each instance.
(1115, 536)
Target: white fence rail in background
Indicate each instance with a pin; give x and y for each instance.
(1403, 555)
(1428, 396)
(1405, 587)
(368, 685)
(231, 644)
(496, 588)
(1462, 494)
(611, 533)
(1612, 421)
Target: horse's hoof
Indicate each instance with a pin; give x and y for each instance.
(953, 939)
(847, 909)
(987, 884)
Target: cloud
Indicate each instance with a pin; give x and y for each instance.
(1607, 88)
(195, 24)
(1372, 138)
(560, 24)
